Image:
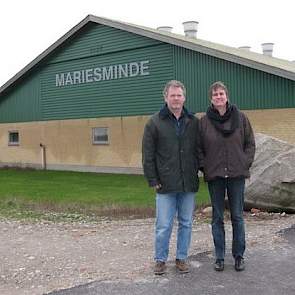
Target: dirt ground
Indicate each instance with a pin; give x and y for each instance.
(40, 257)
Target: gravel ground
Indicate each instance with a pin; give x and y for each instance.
(40, 257)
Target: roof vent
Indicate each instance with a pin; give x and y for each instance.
(190, 29)
(165, 29)
(267, 48)
(246, 48)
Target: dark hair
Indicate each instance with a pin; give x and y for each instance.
(215, 86)
(173, 83)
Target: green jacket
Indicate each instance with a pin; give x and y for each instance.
(170, 159)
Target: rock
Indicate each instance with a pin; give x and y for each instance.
(207, 210)
(272, 182)
(254, 210)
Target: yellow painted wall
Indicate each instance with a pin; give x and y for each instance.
(279, 123)
(276, 123)
(69, 142)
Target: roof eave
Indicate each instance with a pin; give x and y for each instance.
(169, 38)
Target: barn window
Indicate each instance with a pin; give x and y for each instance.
(13, 138)
(100, 135)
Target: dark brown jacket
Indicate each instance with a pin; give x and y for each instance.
(226, 156)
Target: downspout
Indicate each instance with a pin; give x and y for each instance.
(43, 147)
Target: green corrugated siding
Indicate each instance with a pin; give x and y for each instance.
(248, 88)
(117, 97)
(97, 39)
(38, 98)
(22, 103)
(96, 45)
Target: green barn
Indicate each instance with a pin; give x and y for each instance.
(82, 104)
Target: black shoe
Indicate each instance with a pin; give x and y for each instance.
(219, 265)
(239, 264)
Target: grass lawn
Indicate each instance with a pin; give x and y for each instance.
(79, 192)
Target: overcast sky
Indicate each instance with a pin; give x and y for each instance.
(28, 27)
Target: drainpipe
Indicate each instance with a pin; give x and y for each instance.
(43, 147)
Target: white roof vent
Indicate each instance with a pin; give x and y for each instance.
(190, 29)
(165, 29)
(246, 48)
(267, 48)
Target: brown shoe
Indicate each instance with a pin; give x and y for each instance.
(182, 266)
(160, 268)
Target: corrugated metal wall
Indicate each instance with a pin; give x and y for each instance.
(95, 46)
(22, 104)
(99, 46)
(38, 97)
(96, 39)
(116, 97)
(248, 88)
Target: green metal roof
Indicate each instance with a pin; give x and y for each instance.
(272, 65)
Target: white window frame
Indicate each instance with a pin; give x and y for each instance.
(100, 142)
(13, 143)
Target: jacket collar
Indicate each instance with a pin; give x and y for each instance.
(165, 112)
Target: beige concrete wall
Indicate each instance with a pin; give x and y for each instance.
(69, 142)
(277, 123)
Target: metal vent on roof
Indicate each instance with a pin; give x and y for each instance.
(190, 29)
(246, 48)
(165, 29)
(267, 48)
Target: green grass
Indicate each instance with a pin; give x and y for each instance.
(31, 192)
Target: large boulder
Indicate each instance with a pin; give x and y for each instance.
(272, 182)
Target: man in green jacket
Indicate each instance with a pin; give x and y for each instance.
(170, 164)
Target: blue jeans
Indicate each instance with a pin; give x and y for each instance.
(235, 191)
(167, 206)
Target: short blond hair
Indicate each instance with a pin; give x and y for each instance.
(173, 83)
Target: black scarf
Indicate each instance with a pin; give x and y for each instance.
(218, 121)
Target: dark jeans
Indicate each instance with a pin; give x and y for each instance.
(234, 187)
